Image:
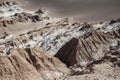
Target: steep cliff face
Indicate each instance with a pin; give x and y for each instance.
(83, 50)
(31, 64)
(16, 68)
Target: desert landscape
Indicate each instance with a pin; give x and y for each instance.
(35, 45)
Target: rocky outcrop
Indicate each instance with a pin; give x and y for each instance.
(39, 12)
(8, 3)
(12, 12)
(102, 71)
(9, 7)
(20, 17)
(31, 64)
(6, 22)
(89, 47)
(23, 17)
(113, 56)
(114, 21)
(50, 38)
(108, 68)
(79, 52)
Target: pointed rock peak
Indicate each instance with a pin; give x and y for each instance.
(82, 51)
(68, 52)
(40, 11)
(31, 62)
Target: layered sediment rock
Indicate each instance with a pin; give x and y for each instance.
(23, 17)
(89, 44)
(12, 12)
(20, 17)
(79, 52)
(31, 64)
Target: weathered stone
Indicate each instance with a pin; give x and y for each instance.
(82, 51)
(31, 63)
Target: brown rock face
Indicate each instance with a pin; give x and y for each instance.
(31, 64)
(20, 17)
(23, 17)
(68, 52)
(85, 49)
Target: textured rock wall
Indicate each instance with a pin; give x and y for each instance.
(31, 64)
(84, 50)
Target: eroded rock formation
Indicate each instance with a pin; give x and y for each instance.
(31, 64)
(86, 49)
(12, 12)
(79, 47)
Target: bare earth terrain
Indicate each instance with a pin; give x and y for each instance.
(36, 46)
